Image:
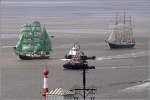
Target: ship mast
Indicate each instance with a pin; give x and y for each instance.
(116, 23)
(124, 19)
(131, 32)
(124, 27)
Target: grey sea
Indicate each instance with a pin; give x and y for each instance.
(119, 74)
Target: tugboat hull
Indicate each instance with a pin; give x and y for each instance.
(69, 56)
(119, 46)
(77, 66)
(82, 57)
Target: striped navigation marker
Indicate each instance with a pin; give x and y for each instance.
(60, 91)
(60, 94)
(45, 85)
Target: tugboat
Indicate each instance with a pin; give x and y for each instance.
(77, 59)
(121, 35)
(76, 50)
(33, 42)
(76, 63)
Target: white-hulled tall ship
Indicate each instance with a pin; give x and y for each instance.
(121, 35)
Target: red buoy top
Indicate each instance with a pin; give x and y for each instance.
(45, 71)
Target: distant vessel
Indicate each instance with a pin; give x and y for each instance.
(77, 58)
(76, 50)
(33, 42)
(121, 35)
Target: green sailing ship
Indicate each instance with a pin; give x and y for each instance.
(33, 42)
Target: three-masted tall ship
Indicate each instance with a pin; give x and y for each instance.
(33, 42)
(121, 35)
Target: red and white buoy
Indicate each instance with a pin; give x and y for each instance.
(45, 85)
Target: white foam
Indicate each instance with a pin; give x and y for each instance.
(124, 56)
(138, 88)
(8, 46)
(123, 67)
(64, 59)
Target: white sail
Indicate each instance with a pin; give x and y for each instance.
(121, 32)
(112, 36)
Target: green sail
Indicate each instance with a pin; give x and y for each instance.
(32, 38)
(46, 41)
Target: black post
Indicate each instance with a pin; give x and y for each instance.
(84, 81)
(84, 92)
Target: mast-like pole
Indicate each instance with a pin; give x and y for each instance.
(124, 27)
(84, 81)
(116, 29)
(116, 22)
(131, 33)
(124, 20)
(130, 21)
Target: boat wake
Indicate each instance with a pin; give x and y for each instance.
(9, 46)
(139, 91)
(123, 67)
(137, 88)
(125, 56)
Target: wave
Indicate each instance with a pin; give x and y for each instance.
(124, 56)
(123, 67)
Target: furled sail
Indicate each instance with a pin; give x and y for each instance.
(121, 35)
(121, 32)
